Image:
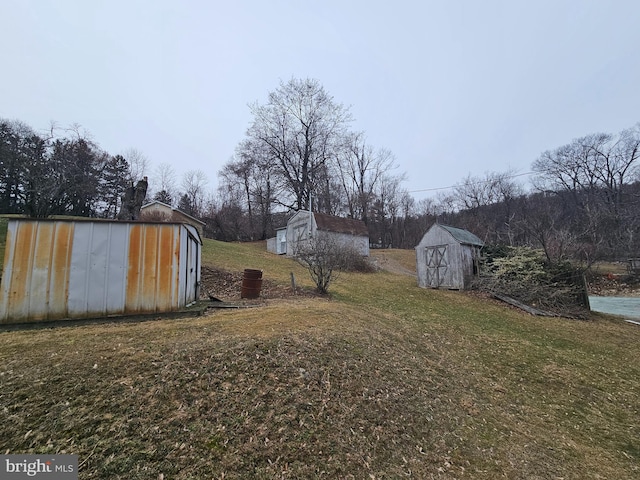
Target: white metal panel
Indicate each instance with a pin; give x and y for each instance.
(98, 276)
(98, 269)
(77, 299)
(102, 248)
(183, 256)
(191, 266)
(116, 268)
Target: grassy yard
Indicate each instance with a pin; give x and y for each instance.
(382, 380)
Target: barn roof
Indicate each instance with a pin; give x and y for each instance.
(463, 236)
(329, 223)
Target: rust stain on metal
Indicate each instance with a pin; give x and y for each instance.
(152, 278)
(134, 272)
(165, 270)
(61, 264)
(150, 266)
(37, 264)
(21, 274)
(39, 287)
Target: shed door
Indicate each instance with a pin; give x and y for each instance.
(437, 265)
(191, 291)
(281, 242)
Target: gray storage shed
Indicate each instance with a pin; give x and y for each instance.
(447, 257)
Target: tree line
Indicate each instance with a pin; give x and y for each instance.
(584, 203)
(299, 152)
(64, 172)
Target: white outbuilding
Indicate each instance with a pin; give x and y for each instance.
(344, 231)
(304, 225)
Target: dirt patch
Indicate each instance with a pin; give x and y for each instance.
(226, 286)
(383, 260)
(614, 285)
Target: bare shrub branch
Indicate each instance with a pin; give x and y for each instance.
(324, 257)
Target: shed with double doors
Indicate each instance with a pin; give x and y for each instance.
(68, 269)
(447, 257)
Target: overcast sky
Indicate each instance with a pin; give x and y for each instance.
(452, 88)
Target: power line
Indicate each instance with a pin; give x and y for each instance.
(473, 183)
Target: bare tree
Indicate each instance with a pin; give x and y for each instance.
(494, 187)
(595, 171)
(254, 171)
(497, 190)
(323, 257)
(385, 210)
(138, 164)
(194, 183)
(164, 181)
(301, 128)
(361, 169)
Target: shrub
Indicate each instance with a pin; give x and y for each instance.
(324, 258)
(525, 274)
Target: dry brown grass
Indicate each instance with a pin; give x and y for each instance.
(396, 261)
(382, 380)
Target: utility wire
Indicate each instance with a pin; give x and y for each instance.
(472, 183)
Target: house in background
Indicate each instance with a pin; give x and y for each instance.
(447, 257)
(161, 212)
(303, 225)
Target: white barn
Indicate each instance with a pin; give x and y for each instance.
(447, 257)
(303, 225)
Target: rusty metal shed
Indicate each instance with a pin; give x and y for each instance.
(59, 269)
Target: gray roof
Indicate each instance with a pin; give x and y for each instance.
(463, 236)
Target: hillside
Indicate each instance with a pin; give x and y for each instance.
(380, 380)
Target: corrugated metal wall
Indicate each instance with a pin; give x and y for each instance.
(56, 269)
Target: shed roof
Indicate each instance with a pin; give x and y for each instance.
(329, 223)
(463, 236)
(69, 219)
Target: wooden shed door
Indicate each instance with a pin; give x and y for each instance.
(437, 265)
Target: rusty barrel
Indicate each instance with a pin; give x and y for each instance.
(251, 283)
